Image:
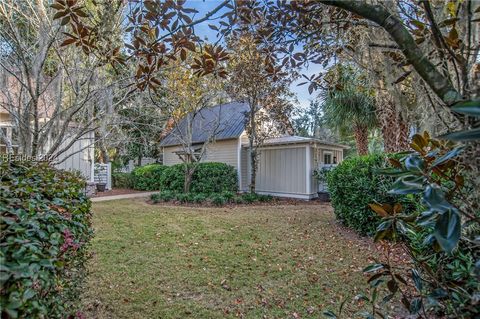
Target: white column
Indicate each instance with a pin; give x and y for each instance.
(308, 170)
(239, 163)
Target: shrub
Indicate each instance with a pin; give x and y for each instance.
(172, 178)
(148, 177)
(239, 200)
(163, 196)
(229, 196)
(214, 178)
(265, 198)
(218, 199)
(185, 197)
(354, 184)
(122, 180)
(249, 197)
(440, 235)
(45, 230)
(200, 198)
(208, 178)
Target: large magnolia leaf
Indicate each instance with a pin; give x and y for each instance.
(447, 230)
(414, 162)
(466, 135)
(435, 199)
(471, 108)
(411, 184)
(451, 154)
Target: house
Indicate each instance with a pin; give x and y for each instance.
(286, 163)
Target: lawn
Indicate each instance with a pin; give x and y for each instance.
(152, 261)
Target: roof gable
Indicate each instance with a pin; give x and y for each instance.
(224, 121)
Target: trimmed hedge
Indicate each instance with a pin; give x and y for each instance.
(45, 231)
(173, 178)
(122, 180)
(148, 177)
(354, 184)
(214, 178)
(208, 178)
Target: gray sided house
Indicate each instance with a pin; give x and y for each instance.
(286, 164)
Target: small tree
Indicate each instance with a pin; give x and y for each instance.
(250, 81)
(188, 99)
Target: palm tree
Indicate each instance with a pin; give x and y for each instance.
(349, 106)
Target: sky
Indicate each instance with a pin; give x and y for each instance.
(203, 31)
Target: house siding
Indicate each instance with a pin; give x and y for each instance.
(282, 171)
(78, 156)
(169, 157)
(219, 151)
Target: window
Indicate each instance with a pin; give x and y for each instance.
(327, 158)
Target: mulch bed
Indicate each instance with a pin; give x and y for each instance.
(117, 191)
(276, 202)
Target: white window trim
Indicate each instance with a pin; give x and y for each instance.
(331, 157)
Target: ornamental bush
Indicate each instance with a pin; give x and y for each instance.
(148, 177)
(208, 178)
(122, 180)
(218, 200)
(354, 184)
(45, 231)
(214, 178)
(173, 178)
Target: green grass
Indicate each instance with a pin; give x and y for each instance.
(151, 261)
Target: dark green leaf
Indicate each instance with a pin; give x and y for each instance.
(410, 184)
(373, 267)
(28, 294)
(377, 282)
(435, 199)
(414, 162)
(447, 230)
(451, 154)
(466, 135)
(417, 280)
(438, 293)
(415, 305)
(392, 286)
(471, 108)
(329, 314)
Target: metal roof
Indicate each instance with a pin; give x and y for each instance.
(222, 122)
(292, 139)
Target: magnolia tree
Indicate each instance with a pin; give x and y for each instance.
(267, 97)
(187, 100)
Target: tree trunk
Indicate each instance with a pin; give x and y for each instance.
(139, 160)
(253, 168)
(188, 178)
(402, 135)
(361, 139)
(393, 127)
(253, 151)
